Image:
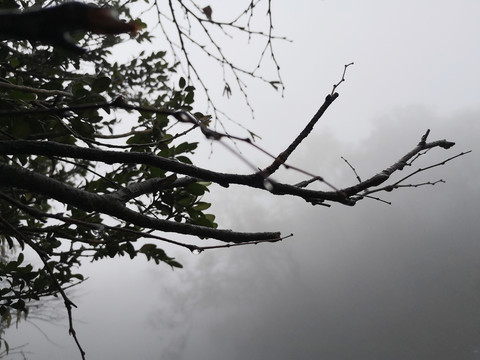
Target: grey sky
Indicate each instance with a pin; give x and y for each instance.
(369, 282)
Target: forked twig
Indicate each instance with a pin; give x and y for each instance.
(342, 79)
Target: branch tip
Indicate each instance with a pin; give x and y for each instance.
(424, 138)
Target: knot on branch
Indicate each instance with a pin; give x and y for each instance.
(423, 140)
(446, 144)
(401, 165)
(331, 97)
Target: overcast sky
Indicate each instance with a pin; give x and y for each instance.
(375, 281)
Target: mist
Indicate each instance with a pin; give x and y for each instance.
(373, 281)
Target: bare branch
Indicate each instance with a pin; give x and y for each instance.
(195, 17)
(384, 175)
(342, 79)
(282, 157)
(397, 184)
(353, 169)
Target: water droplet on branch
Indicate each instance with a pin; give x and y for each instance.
(268, 185)
(98, 230)
(196, 251)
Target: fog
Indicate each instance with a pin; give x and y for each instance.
(373, 281)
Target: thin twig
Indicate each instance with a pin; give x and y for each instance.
(199, 249)
(419, 170)
(44, 257)
(342, 79)
(353, 169)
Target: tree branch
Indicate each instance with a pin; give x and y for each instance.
(199, 23)
(384, 175)
(29, 89)
(282, 157)
(106, 204)
(135, 190)
(397, 184)
(256, 180)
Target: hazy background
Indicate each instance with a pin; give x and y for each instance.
(375, 281)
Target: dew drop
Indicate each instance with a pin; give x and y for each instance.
(268, 185)
(98, 230)
(196, 251)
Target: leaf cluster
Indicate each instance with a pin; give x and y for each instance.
(35, 79)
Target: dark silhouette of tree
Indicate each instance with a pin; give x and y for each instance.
(73, 188)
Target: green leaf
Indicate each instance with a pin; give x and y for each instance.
(54, 85)
(4, 291)
(196, 189)
(156, 172)
(203, 221)
(186, 201)
(21, 129)
(160, 121)
(189, 99)
(200, 206)
(174, 263)
(185, 147)
(101, 84)
(204, 183)
(182, 83)
(7, 347)
(83, 128)
(146, 248)
(20, 258)
(78, 89)
(19, 305)
(184, 159)
(9, 241)
(11, 266)
(129, 249)
(20, 95)
(210, 217)
(14, 62)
